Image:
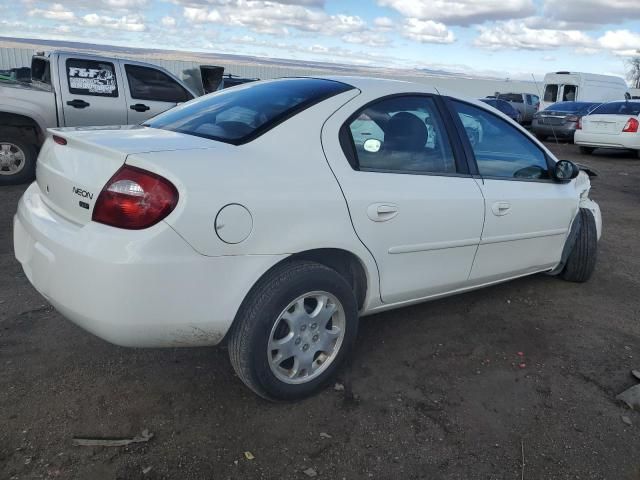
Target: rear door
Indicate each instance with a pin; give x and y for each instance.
(528, 214)
(411, 199)
(91, 91)
(150, 91)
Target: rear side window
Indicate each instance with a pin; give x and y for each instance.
(618, 108)
(151, 84)
(551, 92)
(238, 115)
(91, 77)
(569, 93)
(402, 135)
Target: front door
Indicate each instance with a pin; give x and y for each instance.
(528, 214)
(91, 92)
(150, 91)
(411, 201)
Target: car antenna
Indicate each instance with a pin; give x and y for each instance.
(553, 130)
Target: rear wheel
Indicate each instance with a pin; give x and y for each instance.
(541, 137)
(17, 159)
(293, 330)
(587, 150)
(582, 259)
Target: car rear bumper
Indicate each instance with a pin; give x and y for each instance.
(145, 288)
(626, 141)
(563, 131)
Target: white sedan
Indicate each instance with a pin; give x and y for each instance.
(271, 216)
(611, 125)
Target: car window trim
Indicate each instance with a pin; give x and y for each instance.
(472, 156)
(349, 148)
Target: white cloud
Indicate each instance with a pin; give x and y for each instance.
(56, 12)
(461, 12)
(427, 31)
(517, 35)
(592, 11)
(621, 42)
(274, 18)
(168, 21)
(383, 23)
(369, 38)
(130, 23)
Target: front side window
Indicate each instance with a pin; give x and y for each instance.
(402, 135)
(551, 92)
(500, 149)
(151, 84)
(240, 114)
(91, 77)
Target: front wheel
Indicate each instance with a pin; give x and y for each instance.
(293, 330)
(587, 150)
(581, 261)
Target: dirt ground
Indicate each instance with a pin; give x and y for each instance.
(433, 391)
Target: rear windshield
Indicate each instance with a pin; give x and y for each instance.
(239, 115)
(511, 97)
(571, 106)
(618, 108)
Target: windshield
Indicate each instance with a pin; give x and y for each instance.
(550, 92)
(618, 108)
(240, 114)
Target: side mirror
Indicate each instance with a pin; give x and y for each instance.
(565, 171)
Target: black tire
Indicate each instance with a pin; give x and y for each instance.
(582, 259)
(261, 309)
(541, 137)
(28, 171)
(587, 150)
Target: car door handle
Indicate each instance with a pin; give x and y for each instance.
(381, 212)
(140, 107)
(501, 208)
(78, 103)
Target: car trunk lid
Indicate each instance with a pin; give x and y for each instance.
(72, 171)
(605, 124)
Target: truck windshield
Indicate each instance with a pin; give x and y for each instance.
(618, 108)
(511, 97)
(241, 114)
(550, 92)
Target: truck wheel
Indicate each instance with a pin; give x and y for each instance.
(587, 150)
(17, 160)
(293, 330)
(541, 137)
(582, 259)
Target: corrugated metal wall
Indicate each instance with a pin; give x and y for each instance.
(469, 86)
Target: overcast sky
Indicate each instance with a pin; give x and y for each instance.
(498, 37)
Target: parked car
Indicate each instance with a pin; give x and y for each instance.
(74, 89)
(505, 107)
(611, 125)
(525, 103)
(582, 87)
(559, 120)
(252, 216)
(230, 80)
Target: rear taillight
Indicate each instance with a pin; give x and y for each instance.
(59, 140)
(579, 123)
(631, 126)
(134, 199)
(572, 118)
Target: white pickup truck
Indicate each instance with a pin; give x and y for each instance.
(70, 89)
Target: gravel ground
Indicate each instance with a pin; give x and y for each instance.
(433, 391)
